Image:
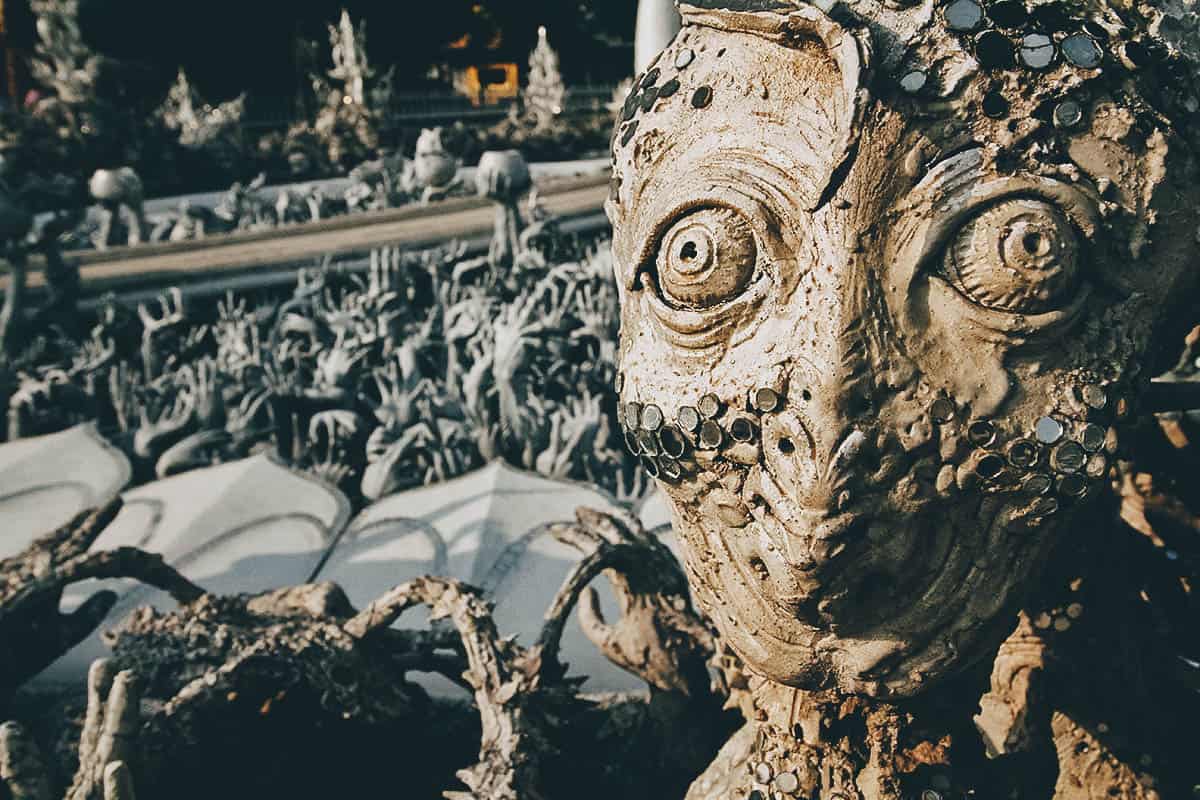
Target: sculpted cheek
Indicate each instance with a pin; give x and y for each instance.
(948, 340)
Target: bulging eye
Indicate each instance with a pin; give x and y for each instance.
(706, 258)
(1019, 255)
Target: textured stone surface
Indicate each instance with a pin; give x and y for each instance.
(958, 287)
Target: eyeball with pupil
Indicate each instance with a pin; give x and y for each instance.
(1019, 255)
(707, 257)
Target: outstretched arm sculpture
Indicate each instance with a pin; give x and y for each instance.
(894, 277)
(246, 667)
(33, 631)
(503, 176)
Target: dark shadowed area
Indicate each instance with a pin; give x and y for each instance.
(231, 46)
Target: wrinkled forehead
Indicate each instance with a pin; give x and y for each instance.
(787, 89)
(763, 113)
(779, 97)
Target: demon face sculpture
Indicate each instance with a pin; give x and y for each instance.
(890, 276)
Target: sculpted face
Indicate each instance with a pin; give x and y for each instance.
(884, 311)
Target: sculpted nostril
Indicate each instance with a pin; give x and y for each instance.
(789, 453)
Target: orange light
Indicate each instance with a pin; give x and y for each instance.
(480, 84)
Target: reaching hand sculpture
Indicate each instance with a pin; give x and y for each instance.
(158, 329)
(106, 744)
(503, 176)
(892, 278)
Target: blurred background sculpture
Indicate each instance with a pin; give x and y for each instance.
(199, 124)
(544, 93)
(351, 67)
(76, 119)
(354, 107)
(435, 169)
(503, 177)
(120, 195)
(66, 65)
(894, 281)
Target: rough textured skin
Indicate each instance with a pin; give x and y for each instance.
(1092, 696)
(895, 278)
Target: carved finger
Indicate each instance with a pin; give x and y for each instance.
(22, 772)
(605, 526)
(123, 562)
(176, 295)
(113, 720)
(316, 426)
(99, 684)
(122, 717)
(386, 392)
(582, 574)
(118, 782)
(383, 612)
(85, 529)
(591, 619)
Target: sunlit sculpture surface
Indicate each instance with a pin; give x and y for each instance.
(892, 276)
